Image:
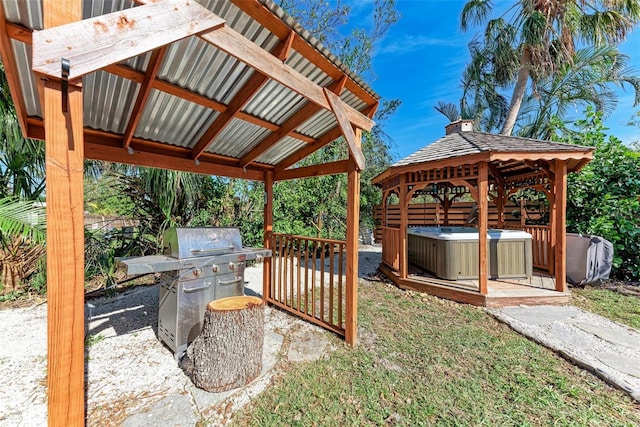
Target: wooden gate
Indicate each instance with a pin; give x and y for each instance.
(308, 279)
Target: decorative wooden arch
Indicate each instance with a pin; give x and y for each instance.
(490, 166)
(237, 90)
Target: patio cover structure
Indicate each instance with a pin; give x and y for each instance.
(489, 168)
(230, 88)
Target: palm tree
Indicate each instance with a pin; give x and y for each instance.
(586, 82)
(543, 34)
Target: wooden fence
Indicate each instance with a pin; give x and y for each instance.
(308, 279)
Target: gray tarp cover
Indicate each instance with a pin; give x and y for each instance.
(589, 259)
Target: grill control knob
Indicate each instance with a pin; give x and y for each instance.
(259, 258)
(197, 272)
(232, 266)
(214, 268)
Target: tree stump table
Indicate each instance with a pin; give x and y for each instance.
(228, 352)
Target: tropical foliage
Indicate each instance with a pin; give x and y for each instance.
(538, 41)
(22, 232)
(604, 197)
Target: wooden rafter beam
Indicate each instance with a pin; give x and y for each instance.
(294, 158)
(11, 71)
(170, 88)
(143, 94)
(332, 168)
(236, 45)
(323, 140)
(154, 154)
(100, 151)
(347, 130)
(540, 165)
(276, 26)
(493, 170)
(117, 36)
(287, 128)
(242, 97)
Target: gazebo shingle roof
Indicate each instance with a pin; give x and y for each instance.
(469, 142)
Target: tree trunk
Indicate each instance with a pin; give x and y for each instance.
(228, 352)
(518, 95)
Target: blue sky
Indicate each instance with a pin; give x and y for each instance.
(420, 62)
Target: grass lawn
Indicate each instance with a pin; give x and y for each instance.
(427, 361)
(609, 303)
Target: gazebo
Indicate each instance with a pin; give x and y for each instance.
(488, 168)
(230, 88)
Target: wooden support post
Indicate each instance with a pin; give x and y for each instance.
(384, 220)
(500, 202)
(551, 245)
(268, 230)
(483, 209)
(404, 221)
(65, 239)
(353, 222)
(560, 198)
(446, 204)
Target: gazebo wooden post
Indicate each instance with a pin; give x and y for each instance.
(551, 245)
(483, 207)
(446, 204)
(353, 222)
(268, 230)
(65, 238)
(500, 202)
(404, 220)
(559, 224)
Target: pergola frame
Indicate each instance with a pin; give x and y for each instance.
(488, 175)
(69, 48)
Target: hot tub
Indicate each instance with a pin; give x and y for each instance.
(451, 253)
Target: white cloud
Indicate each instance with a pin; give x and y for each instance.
(409, 43)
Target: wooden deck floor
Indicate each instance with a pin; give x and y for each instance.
(537, 290)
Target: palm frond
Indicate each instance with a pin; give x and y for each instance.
(22, 219)
(475, 12)
(449, 110)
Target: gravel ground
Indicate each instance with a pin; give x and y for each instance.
(132, 378)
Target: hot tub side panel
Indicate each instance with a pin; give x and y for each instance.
(458, 259)
(423, 252)
(510, 258)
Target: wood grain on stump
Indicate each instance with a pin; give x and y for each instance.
(228, 352)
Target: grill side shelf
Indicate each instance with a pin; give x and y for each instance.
(154, 264)
(160, 263)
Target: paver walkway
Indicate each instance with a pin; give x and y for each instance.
(607, 348)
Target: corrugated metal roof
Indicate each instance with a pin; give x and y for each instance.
(467, 143)
(114, 97)
(201, 68)
(237, 138)
(281, 150)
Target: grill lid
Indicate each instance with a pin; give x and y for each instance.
(189, 242)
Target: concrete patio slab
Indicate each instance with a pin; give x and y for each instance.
(608, 349)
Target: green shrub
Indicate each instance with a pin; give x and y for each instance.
(604, 197)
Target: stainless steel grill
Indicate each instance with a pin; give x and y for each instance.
(198, 265)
